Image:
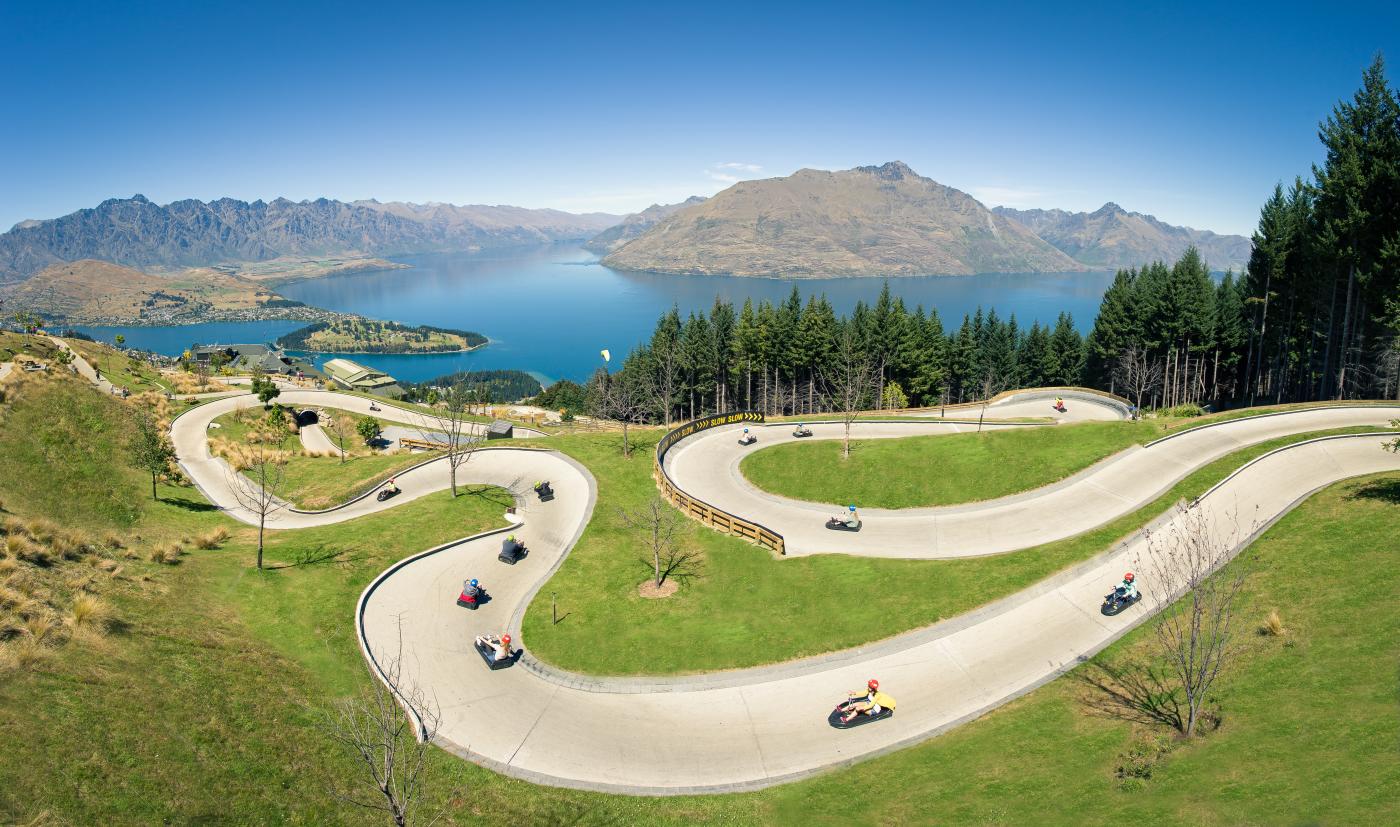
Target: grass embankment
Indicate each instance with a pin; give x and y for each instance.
(946, 469)
(311, 480)
(119, 369)
(748, 608)
(38, 345)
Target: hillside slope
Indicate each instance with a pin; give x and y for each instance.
(633, 225)
(1112, 237)
(867, 221)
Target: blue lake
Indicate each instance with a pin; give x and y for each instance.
(551, 310)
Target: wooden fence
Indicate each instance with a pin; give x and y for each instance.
(699, 509)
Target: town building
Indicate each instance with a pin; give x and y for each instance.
(356, 377)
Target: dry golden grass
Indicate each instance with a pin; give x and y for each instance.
(211, 539)
(113, 541)
(89, 613)
(166, 554)
(23, 653)
(1273, 625)
(12, 525)
(190, 383)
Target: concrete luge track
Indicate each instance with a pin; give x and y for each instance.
(706, 466)
(756, 727)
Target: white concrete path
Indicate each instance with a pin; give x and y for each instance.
(749, 728)
(706, 466)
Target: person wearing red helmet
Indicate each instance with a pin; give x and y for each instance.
(499, 646)
(872, 702)
(1129, 587)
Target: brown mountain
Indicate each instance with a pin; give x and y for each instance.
(1111, 237)
(867, 221)
(635, 224)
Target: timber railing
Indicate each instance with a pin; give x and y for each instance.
(699, 509)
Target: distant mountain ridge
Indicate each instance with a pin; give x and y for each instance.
(868, 221)
(635, 224)
(1112, 237)
(138, 233)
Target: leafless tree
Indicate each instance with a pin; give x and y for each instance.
(1394, 445)
(848, 379)
(452, 418)
(258, 488)
(622, 398)
(201, 370)
(1195, 631)
(663, 380)
(339, 426)
(991, 384)
(662, 525)
(1388, 370)
(1138, 373)
(388, 728)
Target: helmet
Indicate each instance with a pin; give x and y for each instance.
(872, 684)
(851, 507)
(1128, 577)
(746, 430)
(505, 640)
(473, 583)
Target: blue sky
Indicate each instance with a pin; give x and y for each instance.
(1191, 114)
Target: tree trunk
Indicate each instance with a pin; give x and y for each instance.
(1346, 332)
(153, 487)
(262, 520)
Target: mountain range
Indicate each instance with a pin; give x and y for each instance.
(1111, 237)
(191, 233)
(868, 221)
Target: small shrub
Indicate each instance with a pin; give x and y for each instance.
(1273, 625)
(166, 555)
(211, 539)
(89, 613)
(1183, 411)
(23, 653)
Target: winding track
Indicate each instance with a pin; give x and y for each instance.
(752, 728)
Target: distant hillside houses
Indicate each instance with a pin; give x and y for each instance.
(252, 358)
(353, 376)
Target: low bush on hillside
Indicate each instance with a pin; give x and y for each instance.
(1182, 411)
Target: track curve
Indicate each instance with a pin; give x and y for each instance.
(758, 727)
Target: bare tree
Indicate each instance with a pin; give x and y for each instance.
(663, 380)
(1394, 445)
(1138, 373)
(388, 728)
(338, 425)
(259, 487)
(452, 418)
(991, 384)
(1195, 632)
(201, 370)
(619, 397)
(661, 525)
(849, 378)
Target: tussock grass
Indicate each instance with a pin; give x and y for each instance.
(1273, 625)
(23, 653)
(168, 554)
(89, 613)
(211, 539)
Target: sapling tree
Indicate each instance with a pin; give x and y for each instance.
(1195, 632)
(451, 417)
(368, 428)
(151, 450)
(850, 377)
(660, 526)
(338, 426)
(258, 489)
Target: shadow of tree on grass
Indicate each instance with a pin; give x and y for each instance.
(1387, 491)
(1131, 692)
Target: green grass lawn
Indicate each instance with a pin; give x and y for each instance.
(748, 608)
(937, 470)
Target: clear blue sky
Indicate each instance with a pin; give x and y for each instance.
(1188, 113)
